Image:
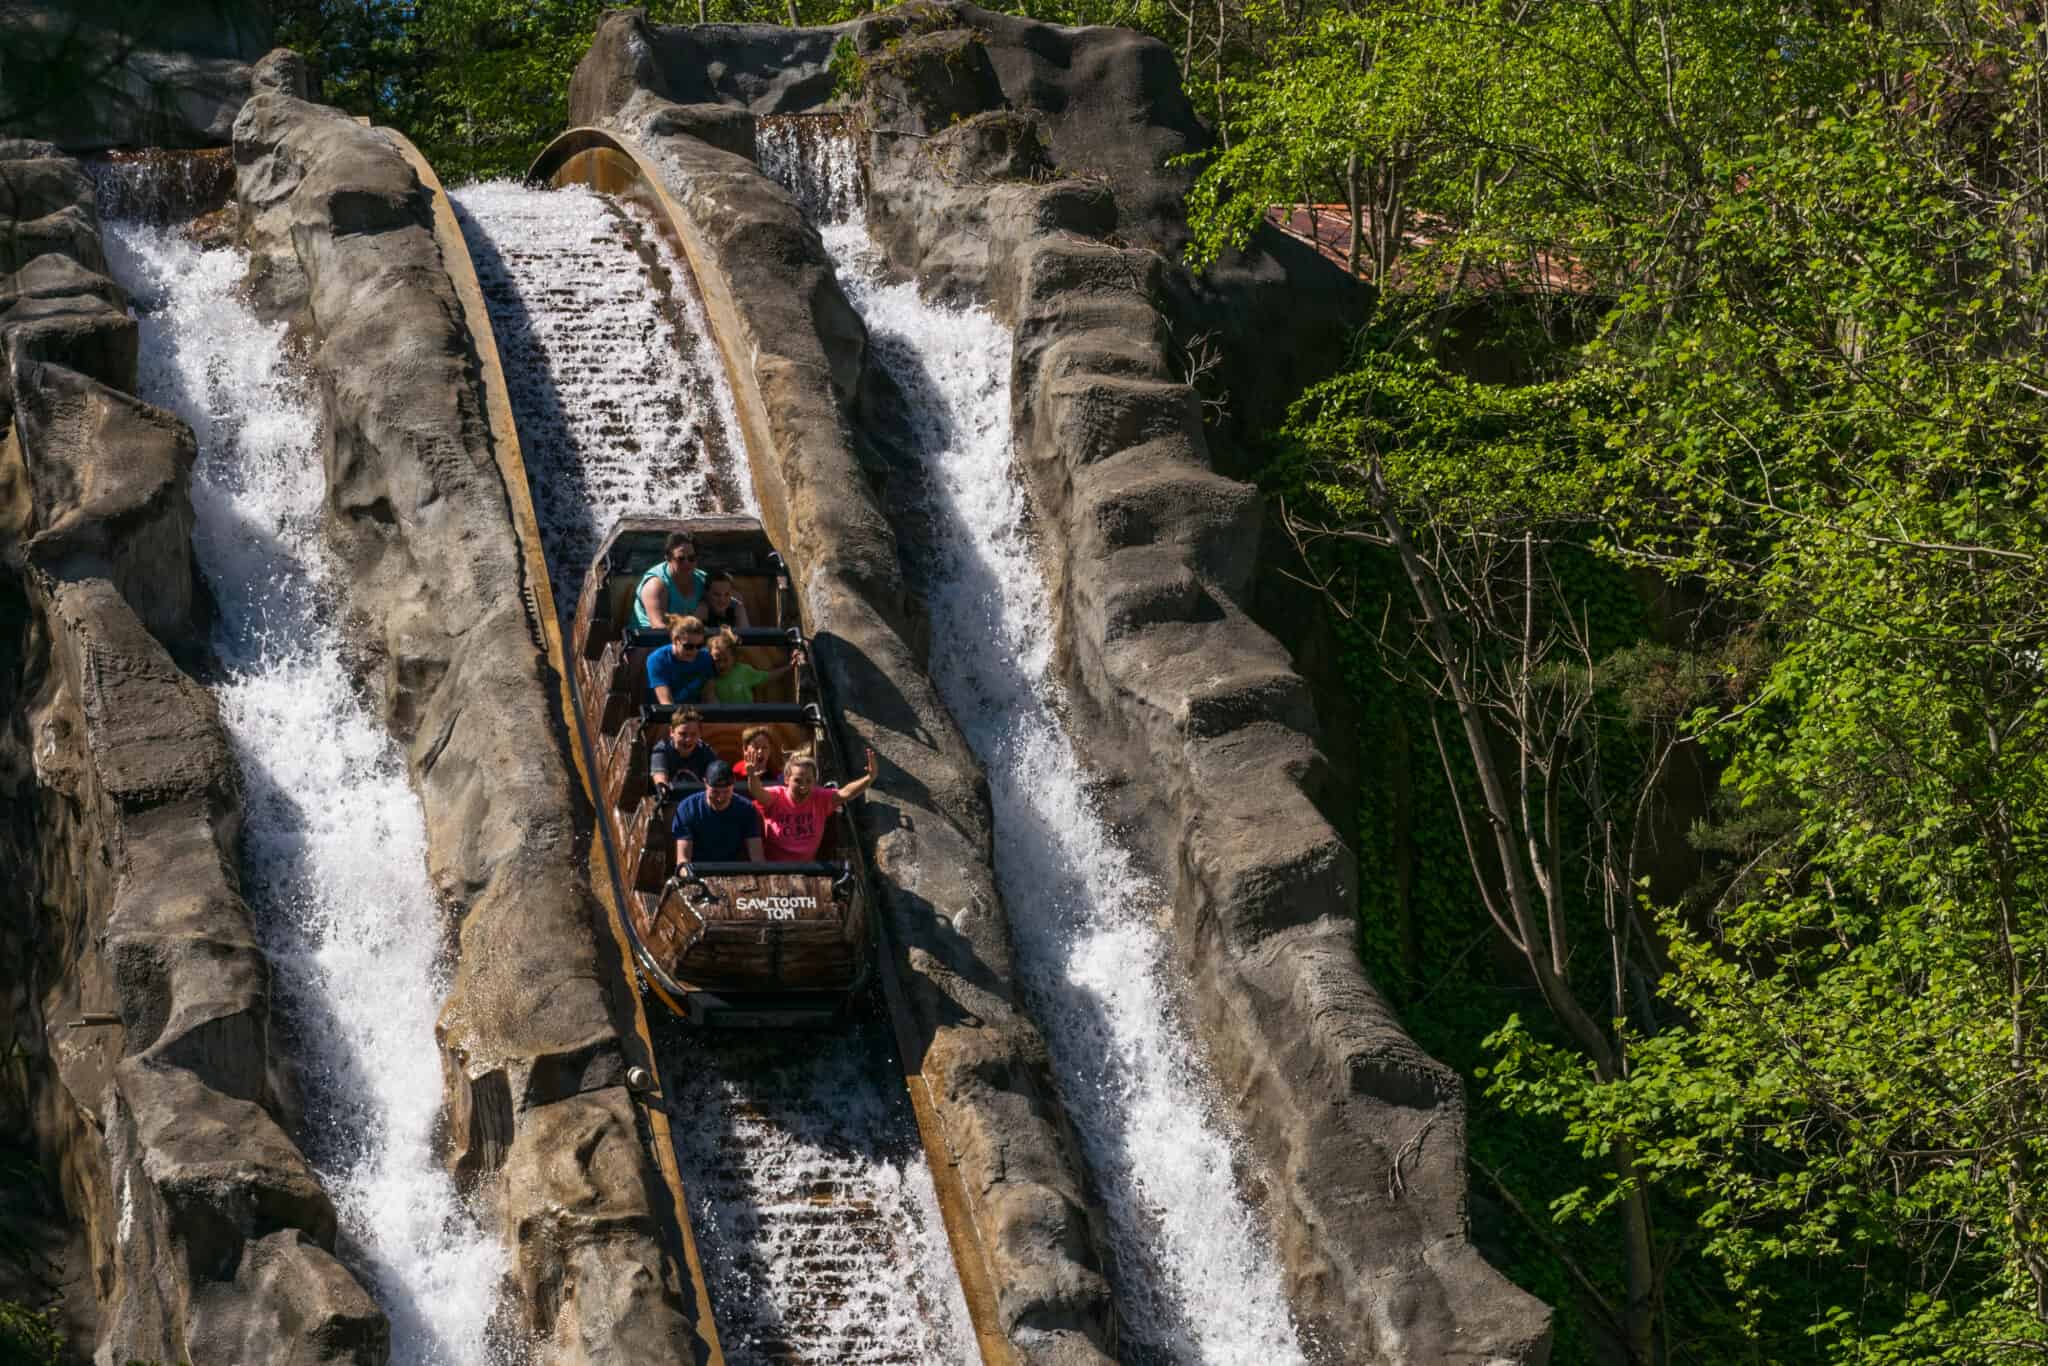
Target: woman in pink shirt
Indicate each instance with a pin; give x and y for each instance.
(793, 815)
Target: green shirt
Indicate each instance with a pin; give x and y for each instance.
(737, 683)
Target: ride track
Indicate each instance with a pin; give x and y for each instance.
(610, 165)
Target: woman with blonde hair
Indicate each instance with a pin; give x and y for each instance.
(680, 669)
(734, 680)
(793, 815)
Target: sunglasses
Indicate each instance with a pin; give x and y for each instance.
(689, 644)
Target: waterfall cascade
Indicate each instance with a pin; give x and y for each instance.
(334, 842)
(621, 405)
(1195, 1279)
(813, 1209)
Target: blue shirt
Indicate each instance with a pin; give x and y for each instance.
(685, 677)
(670, 762)
(716, 836)
(681, 601)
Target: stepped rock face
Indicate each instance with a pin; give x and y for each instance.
(795, 351)
(1024, 166)
(156, 1095)
(341, 237)
(95, 74)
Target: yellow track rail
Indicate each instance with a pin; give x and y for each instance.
(526, 525)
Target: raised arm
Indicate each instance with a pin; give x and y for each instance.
(756, 791)
(860, 784)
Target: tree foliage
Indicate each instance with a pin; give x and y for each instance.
(1823, 323)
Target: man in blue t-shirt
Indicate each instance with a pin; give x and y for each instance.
(714, 826)
(678, 670)
(672, 588)
(682, 752)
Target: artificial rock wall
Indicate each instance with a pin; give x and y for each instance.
(534, 1037)
(1025, 166)
(795, 350)
(139, 997)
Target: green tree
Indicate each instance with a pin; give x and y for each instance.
(1841, 434)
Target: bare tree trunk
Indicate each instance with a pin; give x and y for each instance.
(1532, 872)
(1355, 197)
(1642, 1260)
(1222, 115)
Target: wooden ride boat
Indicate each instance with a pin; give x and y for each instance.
(749, 945)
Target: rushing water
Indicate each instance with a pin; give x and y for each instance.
(812, 1205)
(1195, 1277)
(622, 406)
(815, 1211)
(334, 842)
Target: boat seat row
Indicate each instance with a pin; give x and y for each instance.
(613, 610)
(625, 751)
(650, 853)
(619, 675)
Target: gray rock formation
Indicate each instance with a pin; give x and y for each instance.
(795, 351)
(762, 68)
(159, 1101)
(342, 240)
(1151, 554)
(1026, 166)
(95, 74)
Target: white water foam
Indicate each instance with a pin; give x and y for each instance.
(815, 1211)
(1195, 1277)
(815, 158)
(623, 405)
(813, 1207)
(334, 842)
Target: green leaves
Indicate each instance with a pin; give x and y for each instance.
(1813, 411)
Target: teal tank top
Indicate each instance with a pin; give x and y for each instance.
(678, 605)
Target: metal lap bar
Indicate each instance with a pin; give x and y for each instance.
(749, 635)
(795, 713)
(704, 870)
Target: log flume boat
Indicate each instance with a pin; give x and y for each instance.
(726, 944)
(839, 1221)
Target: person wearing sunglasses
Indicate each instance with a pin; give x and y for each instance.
(679, 670)
(673, 588)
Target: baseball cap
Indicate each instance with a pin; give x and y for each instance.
(718, 775)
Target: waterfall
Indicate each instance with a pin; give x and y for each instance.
(1195, 1276)
(815, 158)
(813, 1208)
(816, 1216)
(162, 185)
(622, 405)
(334, 841)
